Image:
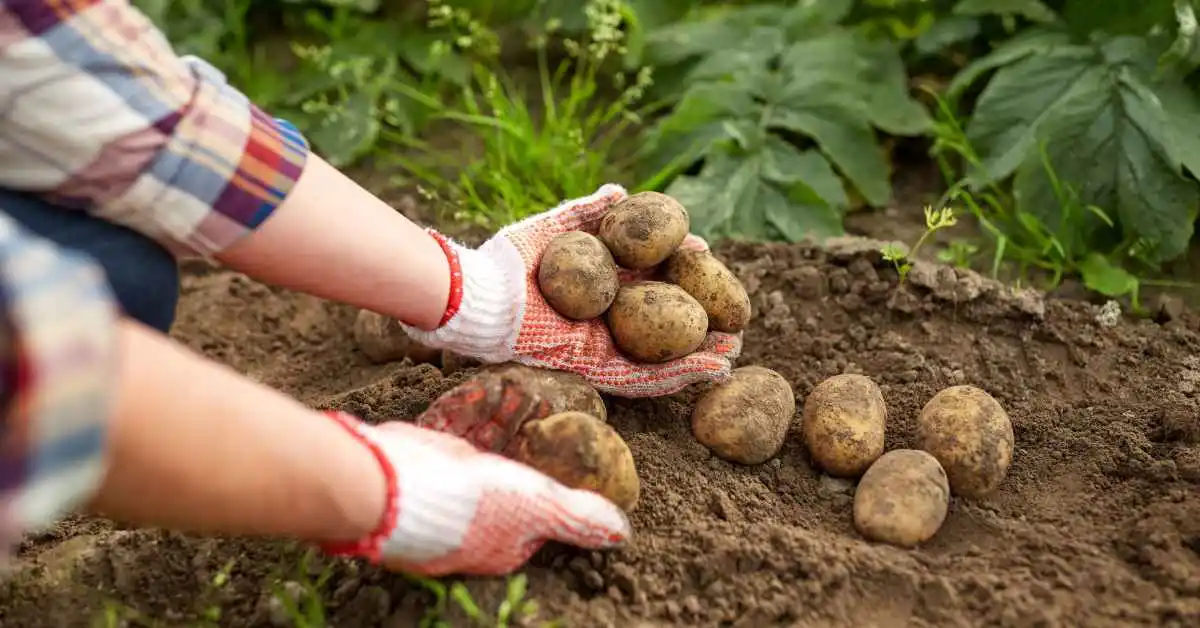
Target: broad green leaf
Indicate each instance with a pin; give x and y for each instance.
(1116, 17)
(849, 142)
(892, 108)
(1032, 10)
(732, 197)
(688, 39)
(1101, 275)
(945, 32)
(1031, 42)
(785, 164)
(808, 18)
(1019, 98)
(1183, 55)
(1112, 146)
(1182, 106)
(349, 131)
(762, 44)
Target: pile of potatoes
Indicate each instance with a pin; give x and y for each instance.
(658, 319)
(963, 446)
(963, 442)
(682, 295)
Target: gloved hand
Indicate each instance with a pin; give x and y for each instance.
(498, 314)
(455, 509)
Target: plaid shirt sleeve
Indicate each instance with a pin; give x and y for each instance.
(97, 112)
(57, 350)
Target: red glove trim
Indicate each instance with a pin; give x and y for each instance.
(368, 547)
(456, 278)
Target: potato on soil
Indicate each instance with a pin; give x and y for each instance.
(844, 422)
(653, 321)
(580, 451)
(577, 275)
(717, 289)
(644, 229)
(902, 499)
(971, 435)
(746, 419)
(571, 392)
(562, 391)
(383, 340)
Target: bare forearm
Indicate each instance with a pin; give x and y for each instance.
(196, 447)
(333, 239)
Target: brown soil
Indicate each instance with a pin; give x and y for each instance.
(1097, 523)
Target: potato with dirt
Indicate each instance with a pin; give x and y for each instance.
(577, 275)
(654, 321)
(710, 282)
(382, 339)
(580, 451)
(970, 434)
(844, 424)
(902, 499)
(746, 419)
(644, 229)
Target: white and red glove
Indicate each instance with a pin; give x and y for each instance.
(456, 509)
(497, 313)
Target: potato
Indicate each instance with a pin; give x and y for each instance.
(454, 362)
(577, 275)
(571, 392)
(717, 289)
(561, 391)
(383, 340)
(653, 321)
(580, 451)
(971, 436)
(644, 229)
(902, 499)
(746, 419)
(844, 422)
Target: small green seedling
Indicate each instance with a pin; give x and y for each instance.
(935, 219)
(514, 607)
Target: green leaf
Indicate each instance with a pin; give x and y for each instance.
(349, 131)
(734, 195)
(1030, 42)
(689, 39)
(1182, 106)
(1032, 10)
(1111, 144)
(1116, 17)
(945, 32)
(1020, 97)
(1101, 275)
(892, 108)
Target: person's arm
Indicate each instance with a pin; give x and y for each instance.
(111, 120)
(106, 412)
(214, 462)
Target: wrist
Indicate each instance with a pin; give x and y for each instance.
(369, 508)
(485, 303)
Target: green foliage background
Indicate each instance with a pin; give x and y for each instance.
(1069, 130)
